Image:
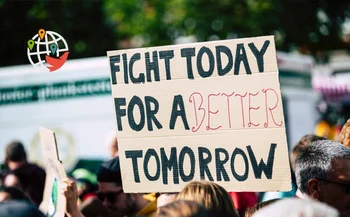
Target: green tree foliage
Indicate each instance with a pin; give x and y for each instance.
(311, 25)
(93, 27)
(229, 18)
(315, 25)
(145, 22)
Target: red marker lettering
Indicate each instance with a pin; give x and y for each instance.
(211, 112)
(194, 129)
(242, 106)
(228, 106)
(250, 108)
(266, 124)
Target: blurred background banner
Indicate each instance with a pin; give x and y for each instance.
(312, 39)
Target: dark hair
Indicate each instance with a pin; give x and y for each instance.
(109, 171)
(15, 151)
(182, 208)
(250, 211)
(15, 193)
(305, 141)
(30, 181)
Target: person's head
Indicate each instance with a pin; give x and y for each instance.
(86, 182)
(210, 195)
(29, 179)
(303, 143)
(93, 207)
(250, 211)
(19, 209)
(12, 193)
(111, 191)
(322, 172)
(182, 208)
(293, 207)
(15, 154)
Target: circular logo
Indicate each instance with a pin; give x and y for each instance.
(47, 49)
(65, 145)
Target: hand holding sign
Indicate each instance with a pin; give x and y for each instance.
(205, 111)
(69, 190)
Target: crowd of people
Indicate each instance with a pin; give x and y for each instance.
(320, 179)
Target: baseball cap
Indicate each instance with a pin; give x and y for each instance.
(109, 171)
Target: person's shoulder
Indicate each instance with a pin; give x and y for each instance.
(19, 209)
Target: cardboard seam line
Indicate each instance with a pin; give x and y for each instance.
(110, 53)
(285, 178)
(195, 79)
(212, 134)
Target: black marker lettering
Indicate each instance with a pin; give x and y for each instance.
(203, 163)
(178, 102)
(243, 177)
(151, 113)
(134, 155)
(267, 168)
(259, 55)
(188, 53)
(241, 56)
(169, 164)
(167, 56)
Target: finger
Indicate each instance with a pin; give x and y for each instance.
(65, 180)
(68, 181)
(74, 186)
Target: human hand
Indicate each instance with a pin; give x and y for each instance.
(69, 190)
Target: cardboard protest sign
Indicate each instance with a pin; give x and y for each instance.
(204, 111)
(54, 202)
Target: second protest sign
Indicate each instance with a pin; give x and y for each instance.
(205, 111)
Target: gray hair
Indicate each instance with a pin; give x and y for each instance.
(292, 207)
(315, 161)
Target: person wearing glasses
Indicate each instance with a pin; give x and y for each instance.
(112, 196)
(323, 173)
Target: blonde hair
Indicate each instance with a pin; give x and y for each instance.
(210, 195)
(182, 208)
(344, 136)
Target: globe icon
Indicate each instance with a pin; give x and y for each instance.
(42, 46)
